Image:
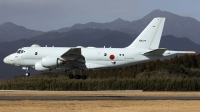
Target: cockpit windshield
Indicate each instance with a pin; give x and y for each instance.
(20, 51)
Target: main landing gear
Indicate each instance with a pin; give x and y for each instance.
(71, 76)
(75, 76)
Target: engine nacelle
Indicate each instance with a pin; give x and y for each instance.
(51, 62)
(39, 67)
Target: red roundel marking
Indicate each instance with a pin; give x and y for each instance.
(112, 57)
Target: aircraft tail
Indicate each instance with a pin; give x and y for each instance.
(150, 36)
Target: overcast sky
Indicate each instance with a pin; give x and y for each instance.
(48, 15)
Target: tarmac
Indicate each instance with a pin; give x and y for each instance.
(89, 97)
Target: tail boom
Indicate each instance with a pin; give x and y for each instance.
(168, 52)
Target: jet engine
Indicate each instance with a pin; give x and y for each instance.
(39, 67)
(51, 62)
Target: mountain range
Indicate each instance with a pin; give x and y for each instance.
(10, 31)
(176, 25)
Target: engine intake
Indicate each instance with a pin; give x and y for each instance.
(39, 67)
(51, 62)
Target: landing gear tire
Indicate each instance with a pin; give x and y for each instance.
(71, 76)
(84, 77)
(27, 74)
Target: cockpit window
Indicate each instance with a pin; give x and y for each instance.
(20, 51)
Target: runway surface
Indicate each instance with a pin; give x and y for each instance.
(98, 98)
(96, 95)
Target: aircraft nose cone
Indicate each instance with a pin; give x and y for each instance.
(7, 60)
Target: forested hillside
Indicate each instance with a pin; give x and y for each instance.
(175, 74)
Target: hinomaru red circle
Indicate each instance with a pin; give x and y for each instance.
(112, 57)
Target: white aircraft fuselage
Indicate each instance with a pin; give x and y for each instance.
(144, 48)
(94, 57)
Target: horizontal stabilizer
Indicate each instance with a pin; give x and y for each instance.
(155, 52)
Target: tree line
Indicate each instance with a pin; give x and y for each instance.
(180, 73)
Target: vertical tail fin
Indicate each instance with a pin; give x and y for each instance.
(150, 36)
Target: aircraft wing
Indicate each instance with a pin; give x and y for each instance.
(155, 52)
(74, 58)
(72, 54)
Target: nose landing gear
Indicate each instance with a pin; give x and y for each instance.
(27, 71)
(27, 74)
